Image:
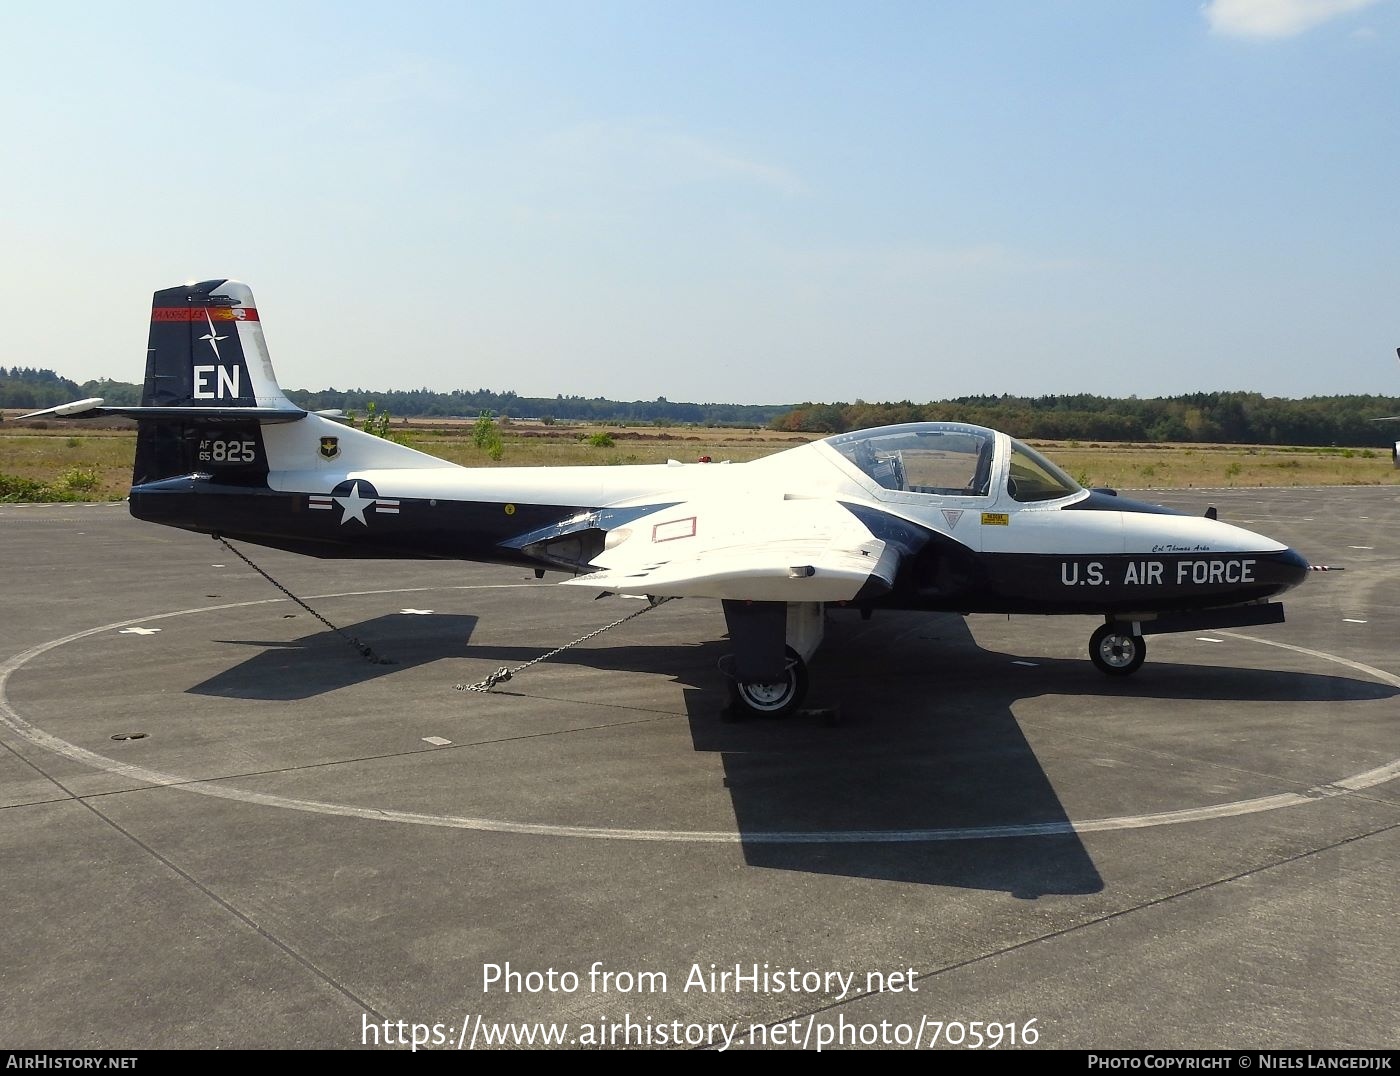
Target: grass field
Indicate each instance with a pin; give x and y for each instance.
(75, 461)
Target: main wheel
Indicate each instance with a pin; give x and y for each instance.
(776, 699)
(1116, 652)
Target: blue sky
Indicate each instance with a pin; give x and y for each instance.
(747, 202)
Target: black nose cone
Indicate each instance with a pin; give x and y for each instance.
(1292, 567)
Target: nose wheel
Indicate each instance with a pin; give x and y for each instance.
(775, 699)
(1116, 652)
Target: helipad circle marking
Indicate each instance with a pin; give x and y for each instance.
(37, 736)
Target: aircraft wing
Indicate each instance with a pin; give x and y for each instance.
(776, 550)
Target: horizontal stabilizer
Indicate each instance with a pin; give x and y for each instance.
(76, 409)
(95, 408)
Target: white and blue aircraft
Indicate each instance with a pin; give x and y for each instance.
(924, 516)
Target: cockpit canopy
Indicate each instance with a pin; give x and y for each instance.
(949, 459)
(924, 457)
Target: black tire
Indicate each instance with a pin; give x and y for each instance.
(777, 699)
(1116, 652)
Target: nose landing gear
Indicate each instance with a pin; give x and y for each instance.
(1116, 651)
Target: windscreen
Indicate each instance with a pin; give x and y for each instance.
(1034, 478)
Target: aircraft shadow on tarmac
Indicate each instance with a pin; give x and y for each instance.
(911, 729)
(927, 740)
(323, 661)
(924, 738)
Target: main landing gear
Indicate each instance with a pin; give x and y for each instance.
(1115, 650)
(773, 642)
(776, 698)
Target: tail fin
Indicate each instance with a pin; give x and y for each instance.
(209, 386)
(207, 350)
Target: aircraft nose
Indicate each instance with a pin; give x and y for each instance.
(1292, 568)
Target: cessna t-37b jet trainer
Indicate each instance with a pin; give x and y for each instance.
(925, 516)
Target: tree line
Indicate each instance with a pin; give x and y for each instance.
(22, 387)
(1223, 417)
(463, 403)
(1217, 417)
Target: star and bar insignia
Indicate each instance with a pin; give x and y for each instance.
(354, 498)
